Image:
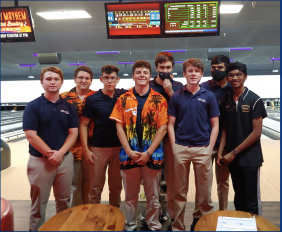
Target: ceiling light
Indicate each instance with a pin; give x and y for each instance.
(179, 61)
(174, 74)
(108, 52)
(27, 65)
(125, 62)
(243, 48)
(177, 50)
(125, 74)
(30, 76)
(231, 60)
(34, 54)
(77, 63)
(78, 14)
(275, 58)
(275, 70)
(230, 9)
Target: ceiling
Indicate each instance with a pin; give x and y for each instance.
(78, 40)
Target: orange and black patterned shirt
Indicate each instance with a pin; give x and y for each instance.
(154, 114)
(72, 97)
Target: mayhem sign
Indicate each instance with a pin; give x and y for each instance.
(16, 25)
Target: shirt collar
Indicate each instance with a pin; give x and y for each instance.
(202, 89)
(45, 100)
(145, 95)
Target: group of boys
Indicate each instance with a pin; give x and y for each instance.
(156, 125)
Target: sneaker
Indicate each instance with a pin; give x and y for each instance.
(195, 220)
(144, 226)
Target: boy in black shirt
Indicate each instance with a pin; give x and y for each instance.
(242, 112)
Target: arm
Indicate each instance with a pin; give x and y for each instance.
(124, 142)
(87, 154)
(214, 131)
(254, 136)
(72, 137)
(221, 146)
(144, 157)
(170, 129)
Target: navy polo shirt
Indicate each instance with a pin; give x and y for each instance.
(219, 93)
(141, 101)
(160, 89)
(192, 113)
(50, 120)
(99, 106)
(238, 121)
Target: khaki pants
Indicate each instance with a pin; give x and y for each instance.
(201, 160)
(131, 182)
(222, 180)
(80, 186)
(169, 174)
(42, 175)
(106, 157)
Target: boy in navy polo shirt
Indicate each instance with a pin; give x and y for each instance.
(51, 127)
(242, 111)
(190, 111)
(166, 86)
(105, 145)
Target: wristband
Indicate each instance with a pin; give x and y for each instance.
(148, 153)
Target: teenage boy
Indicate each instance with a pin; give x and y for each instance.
(220, 87)
(80, 188)
(190, 111)
(242, 113)
(166, 86)
(51, 127)
(141, 121)
(105, 145)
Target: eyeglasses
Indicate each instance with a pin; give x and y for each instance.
(110, 78)
(84, 78)
(238, 75)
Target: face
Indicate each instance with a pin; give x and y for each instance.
(165, 67)
(83, 80)
(141, 76)
(193, 75)
(236, 78)
(51, 82)
(109, 80)
(220, 67)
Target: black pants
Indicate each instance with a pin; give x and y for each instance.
(245, 184)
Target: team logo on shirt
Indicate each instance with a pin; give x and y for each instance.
(202, 100)
(64, 111)
(245, 108)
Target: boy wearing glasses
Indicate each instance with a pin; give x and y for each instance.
(141, 121)
(242, 112)
(77, 96)
(104, 145)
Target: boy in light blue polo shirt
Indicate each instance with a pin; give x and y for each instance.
(190, 110)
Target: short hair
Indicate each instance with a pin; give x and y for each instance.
(141, 64)
(109, 69)
(237, 65)
(84, 69)
(51, 69)
(164, 56)
(194, 62)
(220, 59)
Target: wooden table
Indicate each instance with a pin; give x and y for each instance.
(209, 221)
(90, 217)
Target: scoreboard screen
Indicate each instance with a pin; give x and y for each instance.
(16, 24)
(191, 19)
(133, 20)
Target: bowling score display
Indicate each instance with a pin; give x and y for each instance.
(16, 24)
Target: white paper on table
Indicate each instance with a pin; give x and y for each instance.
(236, 224)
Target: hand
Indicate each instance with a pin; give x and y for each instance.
(219, 159)
(144, 158)
(228, 158)
(135, 155)
(89, 156)
(56, 157)
(168, 87)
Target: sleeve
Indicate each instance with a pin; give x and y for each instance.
(30, 118)
(259, 109)
(172, 106)
(213, 109)
(74, 117)
(118, 111)
(163, 118)
(88, 109)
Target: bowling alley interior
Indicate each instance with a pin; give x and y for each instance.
(71, 34)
